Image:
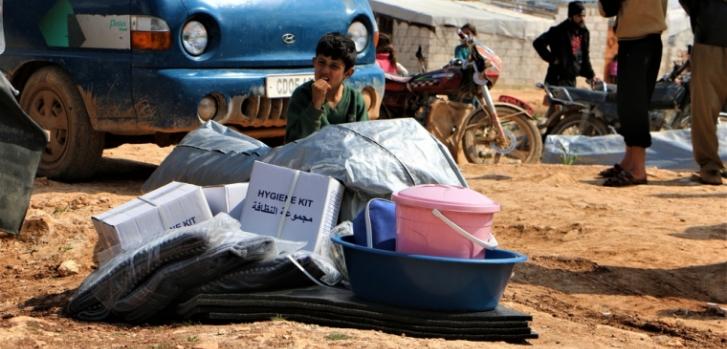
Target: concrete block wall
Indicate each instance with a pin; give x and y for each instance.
(521, 64)
(407, 38)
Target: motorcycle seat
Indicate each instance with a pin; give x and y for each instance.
(397, 83)
(585, 95)
(397, 78)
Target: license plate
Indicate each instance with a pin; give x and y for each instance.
(281, 86)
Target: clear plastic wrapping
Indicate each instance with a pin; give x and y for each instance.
(275, 274)
(121, 276)
(210, 155)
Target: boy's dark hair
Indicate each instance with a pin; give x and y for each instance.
(337, 46)
(470, 27)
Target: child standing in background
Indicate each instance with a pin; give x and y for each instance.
(386, 57)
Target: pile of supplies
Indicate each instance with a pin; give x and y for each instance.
(444, 254)
(417, 255)
(166, 244)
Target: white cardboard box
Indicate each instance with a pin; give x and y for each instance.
(226, 198)
(291, 204)
(140, 220)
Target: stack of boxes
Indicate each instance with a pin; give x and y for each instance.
(278, 201)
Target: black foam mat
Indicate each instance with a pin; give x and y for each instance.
(337, 307)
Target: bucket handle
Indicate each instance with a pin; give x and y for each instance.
(367, 221)
(490, 244)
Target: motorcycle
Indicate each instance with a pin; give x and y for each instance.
(487, 131)
(579, 111)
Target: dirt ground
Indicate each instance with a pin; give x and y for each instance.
(630, 267)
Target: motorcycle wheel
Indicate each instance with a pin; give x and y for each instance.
(683, 119)
(478, 138)
(574, 125)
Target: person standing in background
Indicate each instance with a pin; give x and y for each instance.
(462, 51)
(708, 84)
(386, 56)
(638, 27)
(612, 70)
(565, 48)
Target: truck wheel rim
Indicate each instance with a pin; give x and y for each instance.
(48, 109)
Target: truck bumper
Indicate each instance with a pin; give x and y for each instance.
(166, 100)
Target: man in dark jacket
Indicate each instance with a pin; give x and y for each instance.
(708, 84)
(565, 48)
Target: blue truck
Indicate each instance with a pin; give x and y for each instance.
(96, 74)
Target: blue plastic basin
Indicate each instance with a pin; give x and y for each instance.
(428, 282)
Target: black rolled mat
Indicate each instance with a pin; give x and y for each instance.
(22, 143)
(337, 307)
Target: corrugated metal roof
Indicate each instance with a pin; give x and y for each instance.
(487, 18)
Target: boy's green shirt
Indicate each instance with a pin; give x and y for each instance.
(303, 119)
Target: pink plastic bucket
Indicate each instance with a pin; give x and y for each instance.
(444, 220)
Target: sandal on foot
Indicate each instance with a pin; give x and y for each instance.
(623, 179)
(709, 177)
(612, 171)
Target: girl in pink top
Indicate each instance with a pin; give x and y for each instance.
(386, 57)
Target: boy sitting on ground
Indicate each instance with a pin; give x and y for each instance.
(326, 100)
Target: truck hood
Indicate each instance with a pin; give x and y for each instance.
(272, 33)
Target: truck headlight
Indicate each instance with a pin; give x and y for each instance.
(194, 38)
(359, 34)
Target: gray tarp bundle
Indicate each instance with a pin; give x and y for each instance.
(338, 307)
(371, 159)
(669, 149)
(21, 145)
(212, 154)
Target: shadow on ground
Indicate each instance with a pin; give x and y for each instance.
(112, 169)
(708, 312)
(113, 175)
(691, 195)
(48, 303)
(709, 232)
(580, 276)
(491, 177)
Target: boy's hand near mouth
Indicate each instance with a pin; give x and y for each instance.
(320, 90)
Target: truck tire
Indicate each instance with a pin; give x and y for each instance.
(74, 147)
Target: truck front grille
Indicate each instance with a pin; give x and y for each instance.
(257, 111)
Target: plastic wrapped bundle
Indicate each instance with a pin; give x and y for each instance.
(276, 274)
(166, 284)
(371, 159)
(210, 155)
(119, 277)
